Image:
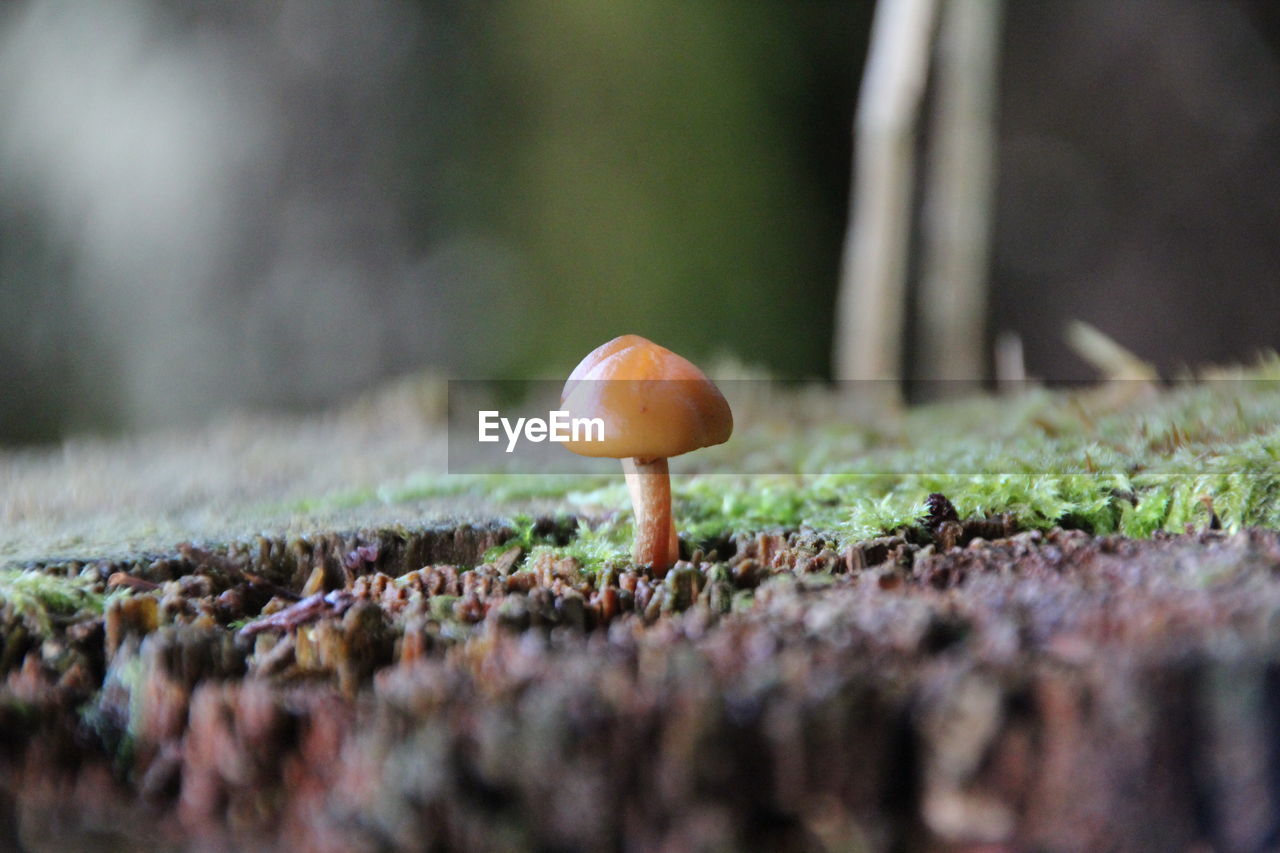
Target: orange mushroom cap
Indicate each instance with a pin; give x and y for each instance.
(654, 403)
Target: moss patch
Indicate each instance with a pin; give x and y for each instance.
(36, 599)
(1124, 458)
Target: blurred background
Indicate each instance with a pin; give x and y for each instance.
(210, 205)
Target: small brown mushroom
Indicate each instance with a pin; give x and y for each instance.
(654, 405)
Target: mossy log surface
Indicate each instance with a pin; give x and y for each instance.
(305, 635)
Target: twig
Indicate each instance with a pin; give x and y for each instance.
(308, 609)
(872, 281)
(959, 195)
(1111, 359)
(1011, 366)
(129, 581)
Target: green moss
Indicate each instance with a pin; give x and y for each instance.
(37, 599)
(595, 545)
(1124, 458)
(527, 536)
(600, 546)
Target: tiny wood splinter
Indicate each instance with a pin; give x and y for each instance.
(654, 405)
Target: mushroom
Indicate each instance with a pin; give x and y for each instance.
(654, 405)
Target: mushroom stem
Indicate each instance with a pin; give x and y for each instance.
(649, 483)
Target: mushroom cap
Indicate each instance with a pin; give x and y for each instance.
(654, 403)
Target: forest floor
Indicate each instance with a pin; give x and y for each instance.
(1046, 620)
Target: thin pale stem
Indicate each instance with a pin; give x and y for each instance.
(633, 487)
(958, 192)
(649, 483)
(873, 276)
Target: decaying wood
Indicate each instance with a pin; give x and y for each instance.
(961, 686)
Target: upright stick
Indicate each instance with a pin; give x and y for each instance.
(870, 312)
(959, 195)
